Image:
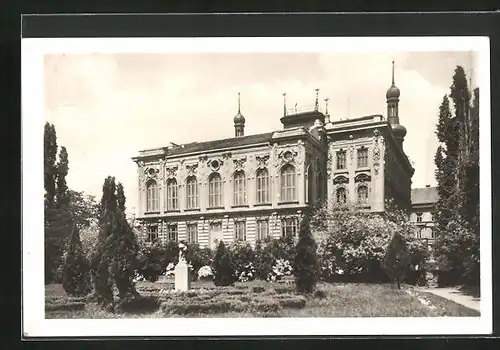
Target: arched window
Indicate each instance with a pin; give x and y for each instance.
(262, 186)
(362, 194)
(341, 195)
(152, 196)
(172, 197)
(192, 192)
(288, 183)
(240, 196)
(310, 182)
(215, 190)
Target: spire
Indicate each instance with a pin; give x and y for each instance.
(316, 104)
(284, 104)
(239, 103)
(326, 105)
(393, 72)
(239, 121)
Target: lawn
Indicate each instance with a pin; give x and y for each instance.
(262, 299)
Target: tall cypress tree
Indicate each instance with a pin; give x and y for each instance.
(120, 197)
(49, 159)
(306, 264)
(62, 194)
(76, 279)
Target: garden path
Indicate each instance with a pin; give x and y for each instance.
(456, 296)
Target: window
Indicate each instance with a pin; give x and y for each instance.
(362, 194)
(240, 196)
(262, 186)
(310, 182)
(172, 198)
(215, 190)
(319, 186)
(433, 233)
(152, 234)
(341, 196)
(192, 233)
(288, 183)
(289, 227)
(262, 229)
(341, 160)
(419, 217)
(362, 157)
(151, 196)
(419, 233)
(192, 192)
(240, 231)
(172, 233)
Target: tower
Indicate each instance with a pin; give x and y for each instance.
(239, 122)
(392, 97)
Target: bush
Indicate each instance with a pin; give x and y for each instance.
(397, 259)
(76, 271)
(305, 269)
(205, 273)
(198, 257)
(280, 269)
(272, 257)
(243, 258)
(223, 268)
(152, 262)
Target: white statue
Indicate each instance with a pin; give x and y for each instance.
(182, 252)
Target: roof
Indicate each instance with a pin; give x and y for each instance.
(426, 195)
(194, 147)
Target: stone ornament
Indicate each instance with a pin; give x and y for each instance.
(240, 162)
(362, 178)
(262, 161)
(215, 164)
(340, 180)
(191, 169)
(171, 172)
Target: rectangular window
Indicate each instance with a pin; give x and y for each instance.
(262, 229)
(240, 197)
(240, 230)
(362, 157)
(262, 186)
(192, 233)
(289, 227)
(419, 217)
(341, 160)
(192, 193)
(152, 234)
(172, 197)
(172, 233)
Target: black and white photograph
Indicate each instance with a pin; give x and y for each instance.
(256, 186)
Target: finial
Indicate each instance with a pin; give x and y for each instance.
(239, 103)
(316, 105)
(326, 105)
(393, 72)
(284, 103)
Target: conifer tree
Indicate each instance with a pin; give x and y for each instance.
(120, 197)
(49, 158)
(306, 264)
(62, 195)
(222, 266)
(76, 278)
(397, 259)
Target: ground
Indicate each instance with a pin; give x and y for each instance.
(264, 299)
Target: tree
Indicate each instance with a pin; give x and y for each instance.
(114, 257)
(120, 196)
(62, 196)
(76, 278)
(222, 266)
(49, 159)
(306, 265)
(397, 259)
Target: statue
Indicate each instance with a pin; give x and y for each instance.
(182, 252)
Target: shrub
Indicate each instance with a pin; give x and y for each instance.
(76, 272)
(397, 259)
(243, 257)
(264, 260)
(152, 261)
(222, 266)
(280, 269)
(205, 273)
(305, 269)
(198, 257)
(141, 304)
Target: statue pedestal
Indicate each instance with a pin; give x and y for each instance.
(182, 282)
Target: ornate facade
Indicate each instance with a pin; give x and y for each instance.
(257, 186)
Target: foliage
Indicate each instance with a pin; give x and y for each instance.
(151, 261)
(268, 252)
(397, 259)
(306, 266)
(198, 257)
(76, 278)
(205, 273)
(243, 257)
(49, 158)
(120, 197)
(223, 267)
(352, 243)
(62, 197)
(280, 269)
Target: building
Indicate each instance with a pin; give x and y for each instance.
(257, 186)
(423, 205)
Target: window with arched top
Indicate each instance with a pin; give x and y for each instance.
(288, 183)
(215, 190)
(262, 178)
(363, 194)
(191, 193)
(240, 196)
(172, 195)
(341, 195)
(152, 196)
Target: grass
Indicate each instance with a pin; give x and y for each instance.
(264, 299)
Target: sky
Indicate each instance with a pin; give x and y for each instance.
(108, 107)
